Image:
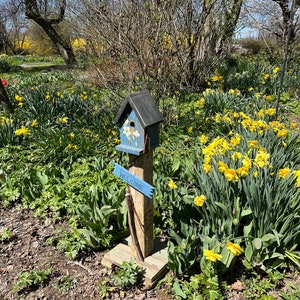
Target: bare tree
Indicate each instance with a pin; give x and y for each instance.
(47, 14)
(2, 35)
(13, 26)
(270, 18)
(286, 9)
(171, 44)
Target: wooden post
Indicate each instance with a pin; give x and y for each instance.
(142, 206)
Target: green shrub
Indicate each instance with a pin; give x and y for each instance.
(4, 65)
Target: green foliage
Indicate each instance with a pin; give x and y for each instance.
(30, 279)
(182, 254)
(129, 274)
(4, 65)
(8, 129)
(66, 282)
(292, 294)
(199, 286)
(71, 242)
(258, 288)
(5, 235)
(105, 289)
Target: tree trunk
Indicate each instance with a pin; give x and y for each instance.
(64, 48)
(286, 15)
(4, 99)
(34, 12)
(218, 25)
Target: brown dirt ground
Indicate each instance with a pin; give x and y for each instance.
(27, 250)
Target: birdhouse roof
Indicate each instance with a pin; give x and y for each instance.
(144, 107)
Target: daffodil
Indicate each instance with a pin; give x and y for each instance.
(212, 256)
(63, 120)
(22, 131)
(206, 167)
(222, 167)
(247, 162)
(282, 133)
(19, 98)
(252, 143)
(242, 171)
(297, 177)
(200, 102)
(73, 147)
(203, 139)
(268, 97)
(262, 159)
(199, 200)
(217, 78)
(270, 111)
(235, 249)
(172, 185)
(236, 155)
(231, 175)
(34, 123)
(294, 125)
(283, 173)
(235, 141)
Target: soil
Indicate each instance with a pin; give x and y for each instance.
(27, 249)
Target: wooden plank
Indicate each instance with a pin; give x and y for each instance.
(134, 181)
(155, 265)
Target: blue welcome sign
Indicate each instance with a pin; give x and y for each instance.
(135, 182)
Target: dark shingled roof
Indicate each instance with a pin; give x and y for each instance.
(144, 107)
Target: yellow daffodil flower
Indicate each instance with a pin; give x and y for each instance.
(222, 167)
(172, 185)
(283, 173)
(211, 255)
(231, 175)
(34, 123)
(22, 131)
(199, 200)
(234, 249)
(206, 168)
(242, 171)
(252, 143)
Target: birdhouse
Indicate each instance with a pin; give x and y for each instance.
(138, 119)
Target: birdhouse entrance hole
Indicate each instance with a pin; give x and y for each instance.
(132, 125)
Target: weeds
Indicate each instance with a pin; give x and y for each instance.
(6, 235)
(30, 279)
(128, 275)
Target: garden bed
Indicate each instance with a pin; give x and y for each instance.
(27, 249)
(227, 188)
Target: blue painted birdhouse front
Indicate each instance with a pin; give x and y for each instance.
(139, 120)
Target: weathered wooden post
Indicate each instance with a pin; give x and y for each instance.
(139, 119)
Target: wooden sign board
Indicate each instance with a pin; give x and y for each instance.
(135, 182)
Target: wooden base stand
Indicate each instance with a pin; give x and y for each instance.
(154, 265)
